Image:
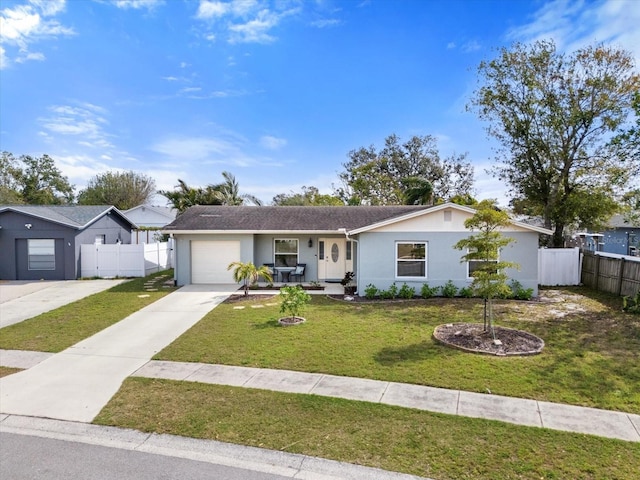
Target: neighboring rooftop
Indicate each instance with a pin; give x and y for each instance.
(77, 216)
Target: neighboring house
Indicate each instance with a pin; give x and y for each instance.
(43, 241)
(149, 219)
(382, 245)
(621, 237)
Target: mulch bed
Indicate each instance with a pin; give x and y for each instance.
(471, 337)
(241, 297)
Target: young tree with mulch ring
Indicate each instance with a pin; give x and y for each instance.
(489, 277)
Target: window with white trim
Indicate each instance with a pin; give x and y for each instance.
(41, 253)
(285, 252)
(473, 265)
(411, 259)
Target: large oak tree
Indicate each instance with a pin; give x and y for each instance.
(124, 190)
(397, 174)
(554, 114)
(33, 180)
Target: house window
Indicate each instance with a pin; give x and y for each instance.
(100, 240)
(411, 259)
(286, 252)
(348, 253)
(42, 254)
(474, 265)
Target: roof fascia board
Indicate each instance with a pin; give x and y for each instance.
(253, 232)
(42, 217)
(407, 216)
(437, 208)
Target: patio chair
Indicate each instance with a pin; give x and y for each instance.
(298, 272)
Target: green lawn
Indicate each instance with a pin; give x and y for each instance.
(591, 357)
(58, 329)
(398, 439)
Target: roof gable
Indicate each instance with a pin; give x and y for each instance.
(447, 217)
(75, 216)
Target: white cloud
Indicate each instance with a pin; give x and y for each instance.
(272, 143)
(242, 21)
(326, 23)
(86, 121)
(576, 24)
(25, 24)
(138, 4)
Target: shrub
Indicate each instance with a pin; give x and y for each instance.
(406, 291)
(293, 299)
(449, 290)
(631, 304)
(390, 293)
(427, 292)
(466, 292)
(370, 291)
(519, 292)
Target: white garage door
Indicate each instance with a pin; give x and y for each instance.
(210, 259)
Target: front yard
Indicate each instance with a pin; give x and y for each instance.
(591, 357)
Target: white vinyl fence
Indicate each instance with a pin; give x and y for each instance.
(122, 260)
(559, 266)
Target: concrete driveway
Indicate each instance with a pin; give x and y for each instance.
(20, 300)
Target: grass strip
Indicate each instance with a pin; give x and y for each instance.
(392, 438)
(591, 357)
(63, 327)
(4, 371)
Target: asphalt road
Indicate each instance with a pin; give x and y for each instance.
(25, 457)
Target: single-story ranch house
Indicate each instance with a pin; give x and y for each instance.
(382, 245)
(43, 241)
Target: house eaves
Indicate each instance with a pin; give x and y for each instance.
(444, 206)
(64, 215)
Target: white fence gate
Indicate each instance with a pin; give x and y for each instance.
(122, 260)
(559, 266)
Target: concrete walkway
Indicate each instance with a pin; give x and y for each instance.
(21, 300)
(78, 382)
(555, 416)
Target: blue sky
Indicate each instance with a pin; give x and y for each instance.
(275, 92)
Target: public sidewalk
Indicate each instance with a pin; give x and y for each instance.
(555, 416)
(77, 383)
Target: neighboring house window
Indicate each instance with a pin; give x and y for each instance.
(42, 254)
(286, 252)
(473, 265)
(411, 259)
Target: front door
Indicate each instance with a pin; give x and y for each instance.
(332, 258)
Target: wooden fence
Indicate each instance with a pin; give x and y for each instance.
(120, 260)
(617, 274)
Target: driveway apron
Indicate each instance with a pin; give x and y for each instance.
(22, 300)
(77, 383)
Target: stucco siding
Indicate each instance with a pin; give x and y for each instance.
(14, 230)
(377, 258)
(182, 250)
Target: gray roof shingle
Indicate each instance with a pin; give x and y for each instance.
(271, 218)
(78, 216)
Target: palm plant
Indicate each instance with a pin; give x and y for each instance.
(418, 191)
(229, 192)
(248, 274)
